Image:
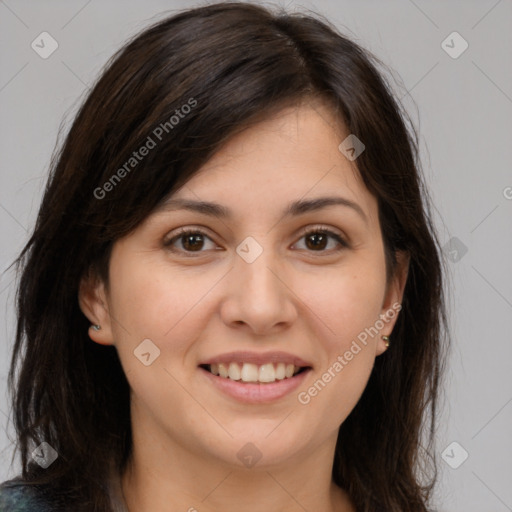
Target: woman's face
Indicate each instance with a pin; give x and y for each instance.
(252, 293)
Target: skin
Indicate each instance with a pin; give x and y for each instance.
(295, 297)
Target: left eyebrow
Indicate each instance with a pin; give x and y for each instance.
(295, 208)
(308, 205)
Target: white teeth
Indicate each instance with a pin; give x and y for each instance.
(267, 373)
(249, 372)
(280, 371)
(234, 372)
(223, 370)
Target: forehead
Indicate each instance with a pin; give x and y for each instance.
(291, 156)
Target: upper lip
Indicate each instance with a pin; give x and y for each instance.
(258, 358)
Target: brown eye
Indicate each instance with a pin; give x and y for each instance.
(192, 242)
(188, 241)
(318, 240)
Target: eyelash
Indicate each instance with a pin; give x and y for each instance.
(319, 230)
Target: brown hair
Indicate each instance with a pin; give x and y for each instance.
(238, 62)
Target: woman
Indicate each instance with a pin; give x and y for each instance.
(232, 298)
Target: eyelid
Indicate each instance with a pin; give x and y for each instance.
(185, 230)
(323, 229)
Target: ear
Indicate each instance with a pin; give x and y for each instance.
(93, 301)
(392, 303)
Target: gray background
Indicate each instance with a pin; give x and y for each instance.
(463, 108)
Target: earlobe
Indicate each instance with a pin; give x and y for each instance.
(92, 299)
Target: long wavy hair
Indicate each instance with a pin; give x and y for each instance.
(240, 63)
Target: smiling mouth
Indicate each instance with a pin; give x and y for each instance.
(253, 373)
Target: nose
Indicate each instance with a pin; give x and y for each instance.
(259, 299)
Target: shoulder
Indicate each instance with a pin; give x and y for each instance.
(18, 496)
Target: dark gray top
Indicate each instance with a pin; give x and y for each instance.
(18, 496)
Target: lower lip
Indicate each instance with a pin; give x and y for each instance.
(255, 393)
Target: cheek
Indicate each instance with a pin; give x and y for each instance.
(151, 302)
(152, 298)
(347, 301)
